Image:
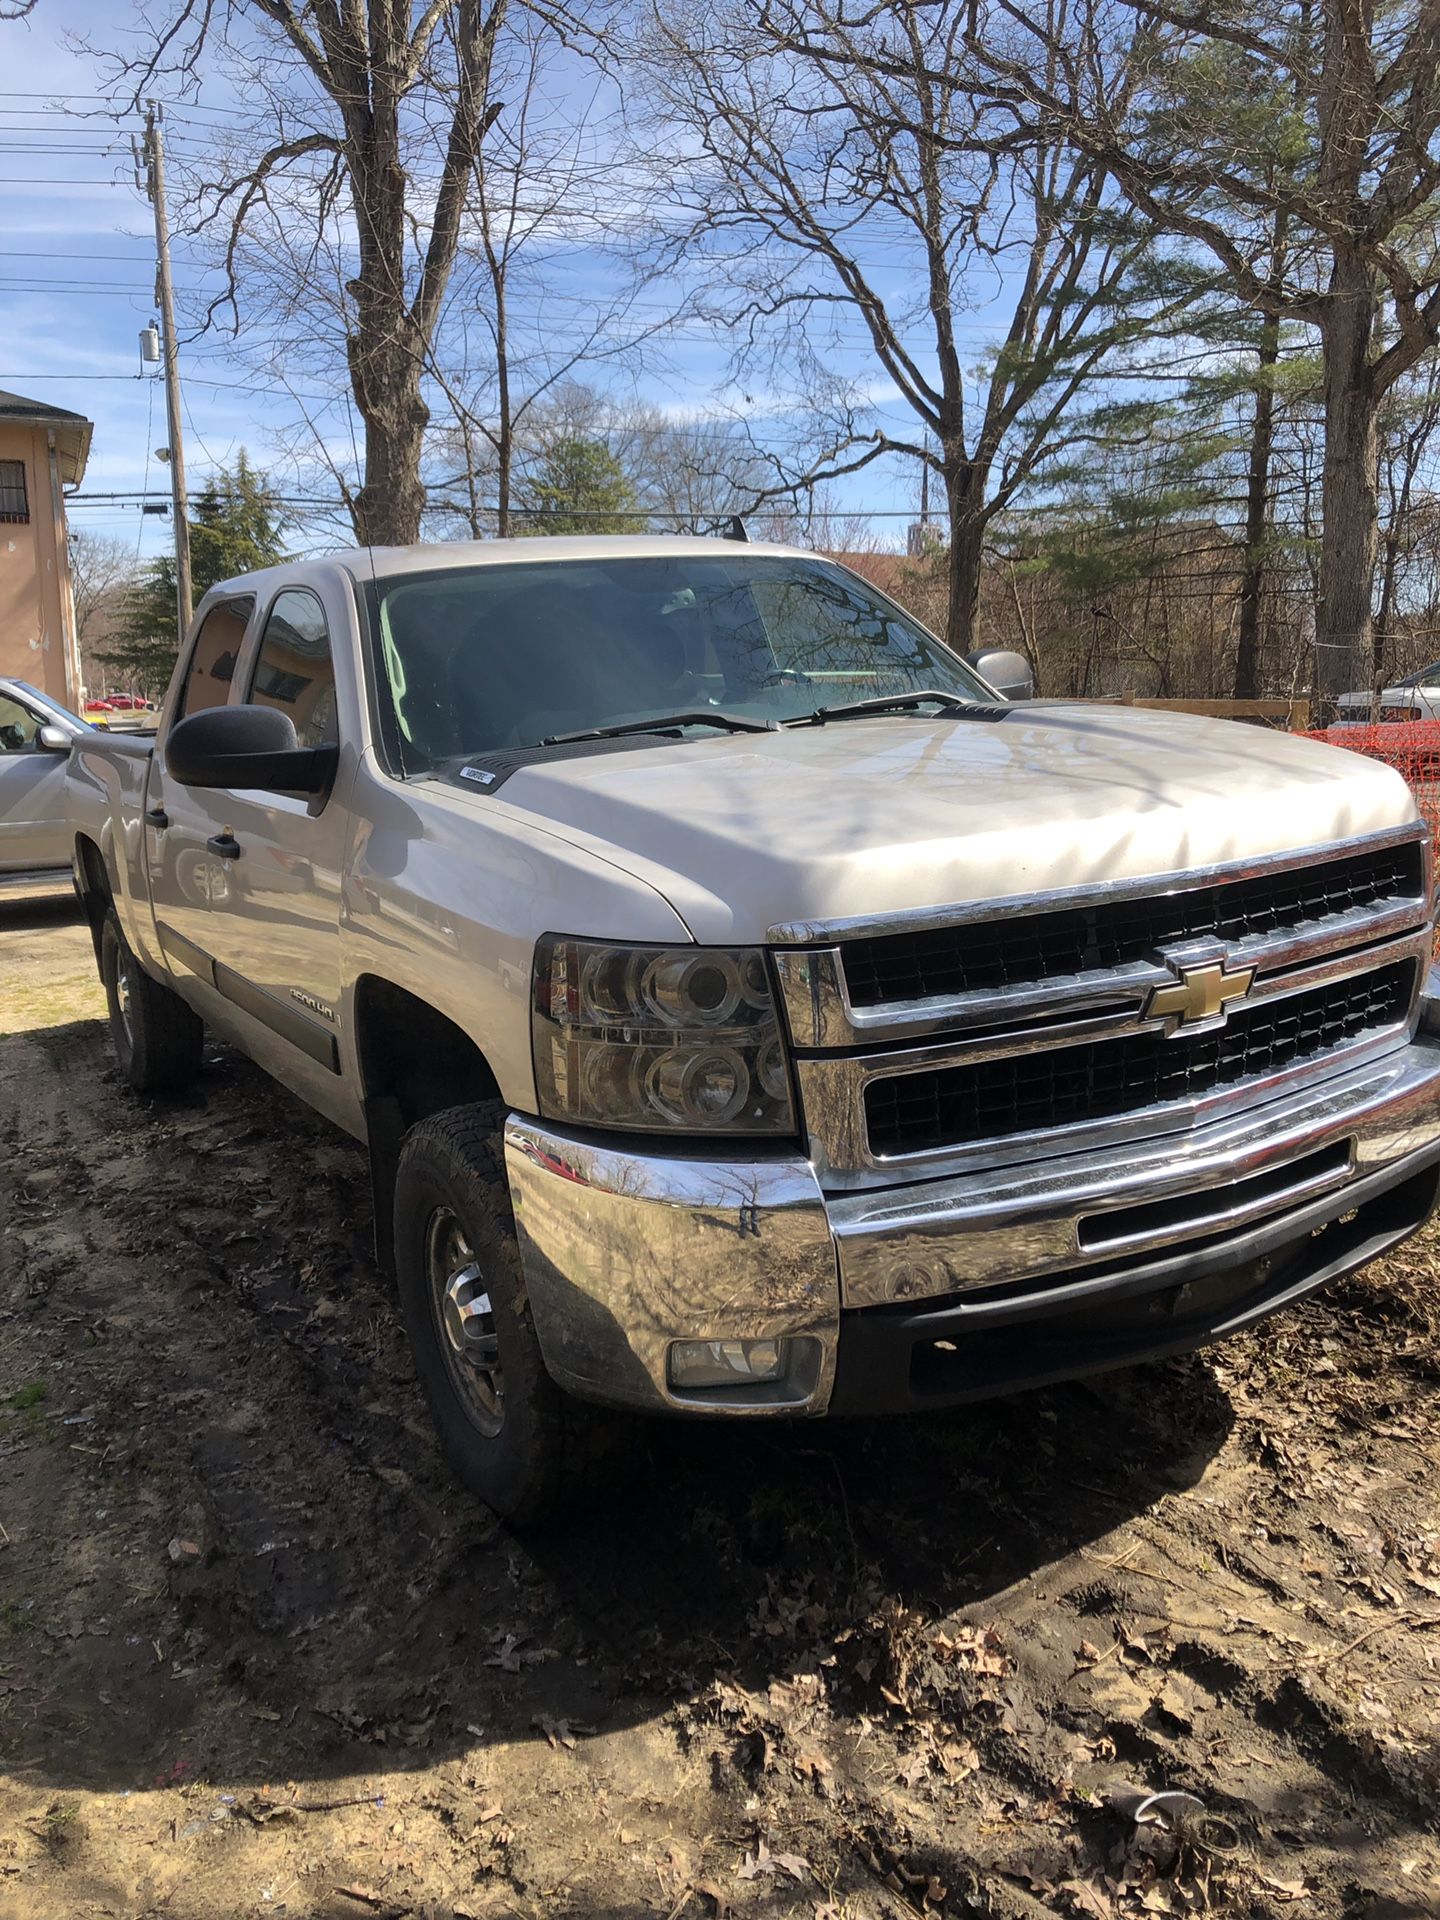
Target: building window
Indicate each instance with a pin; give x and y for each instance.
(13, 503)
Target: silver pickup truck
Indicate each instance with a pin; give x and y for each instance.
(749, 1011)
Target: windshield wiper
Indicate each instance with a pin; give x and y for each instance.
(666, 723)
(889, 703)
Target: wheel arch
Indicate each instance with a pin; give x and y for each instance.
(414, 1061)
(92, 884)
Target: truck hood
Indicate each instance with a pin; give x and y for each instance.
(747, 834)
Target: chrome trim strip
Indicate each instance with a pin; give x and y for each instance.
(279, 1016)
(979, 1230)
(185, 953)
(1220, 1218)
(1283, 986)
(917, 919)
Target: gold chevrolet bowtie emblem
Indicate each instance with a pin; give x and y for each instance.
(1201, 993)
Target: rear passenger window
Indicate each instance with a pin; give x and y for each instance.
(295, 670)
(217, 648)
(18, 726)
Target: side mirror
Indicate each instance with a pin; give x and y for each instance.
(246, 747)
(1009, 673)
(52, 739)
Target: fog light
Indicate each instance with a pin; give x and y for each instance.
(727, 1363)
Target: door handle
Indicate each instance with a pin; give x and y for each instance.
(225, 844)
(158, 818)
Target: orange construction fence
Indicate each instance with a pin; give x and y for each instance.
(1412, 747)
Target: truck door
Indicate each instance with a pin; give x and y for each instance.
(261, 871)
(181, 822)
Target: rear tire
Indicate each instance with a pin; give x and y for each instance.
(158, 1039)
(510, 1434)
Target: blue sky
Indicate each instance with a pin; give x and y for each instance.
(77, 273)
(76, 279)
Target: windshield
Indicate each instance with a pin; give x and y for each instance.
(490, 657)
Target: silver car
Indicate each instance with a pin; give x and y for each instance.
(35, 737)
(1416, 697)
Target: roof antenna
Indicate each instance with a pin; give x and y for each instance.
(735, 529)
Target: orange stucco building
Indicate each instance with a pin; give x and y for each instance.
(43, 451)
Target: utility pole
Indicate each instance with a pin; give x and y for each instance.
(153, 184)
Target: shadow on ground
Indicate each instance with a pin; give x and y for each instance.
(25, 912)
(236, 1556)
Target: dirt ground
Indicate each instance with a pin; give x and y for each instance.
(260, 1656)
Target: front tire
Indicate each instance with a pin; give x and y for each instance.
(510, 1434)
(158, 1039)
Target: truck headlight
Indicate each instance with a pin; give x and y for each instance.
(680, 1039)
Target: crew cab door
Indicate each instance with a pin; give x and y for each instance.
(180, 822)
(249, 896)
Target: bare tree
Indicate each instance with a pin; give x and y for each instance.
(1408, 423)
(370, 125)
(1216, 119)
(546, 285)
(842, 204)
(686, 472)
(102, 568)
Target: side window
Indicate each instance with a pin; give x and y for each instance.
(295, 670)
(13, 503)
(18, 726)
(217, 648)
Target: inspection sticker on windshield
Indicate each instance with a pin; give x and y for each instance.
(482, 776)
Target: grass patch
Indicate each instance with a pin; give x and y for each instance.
(29, 1396)
(60, 1828)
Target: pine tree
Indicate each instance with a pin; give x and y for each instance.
(236, 526)
(577, 486)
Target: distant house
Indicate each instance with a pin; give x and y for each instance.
(43, 451)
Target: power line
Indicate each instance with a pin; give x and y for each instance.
(334, 503)
(143, 294)
(195, 380)
(106, 99)
(59, 253)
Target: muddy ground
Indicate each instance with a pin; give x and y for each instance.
(260, 1656)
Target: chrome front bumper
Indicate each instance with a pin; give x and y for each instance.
(627, 1250)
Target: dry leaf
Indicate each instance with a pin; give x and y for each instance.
(557, 1732)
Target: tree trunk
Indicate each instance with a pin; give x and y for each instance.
(1380, 671)
(505, 436)
(963, 498)
(1257, 515)
(1349, 495)
(388, 506)
(384, 351)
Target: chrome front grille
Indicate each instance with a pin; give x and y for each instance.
(935, 962)
(1100, 1079)
(1033, 1027)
